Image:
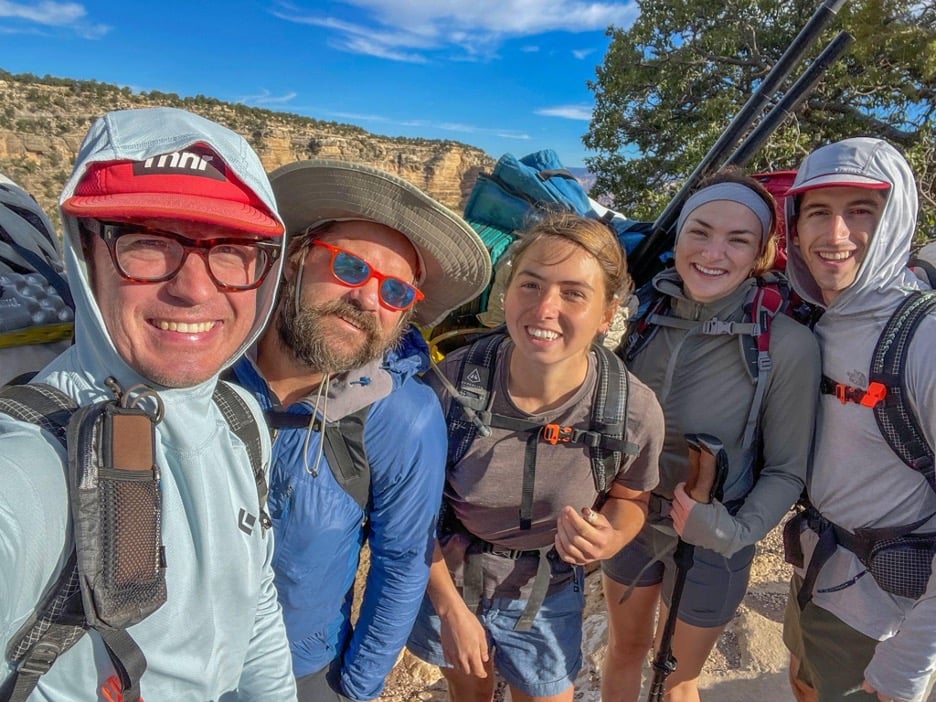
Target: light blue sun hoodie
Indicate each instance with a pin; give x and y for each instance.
(220, 634)
(856, 480)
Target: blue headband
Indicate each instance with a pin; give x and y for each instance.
(733, 192)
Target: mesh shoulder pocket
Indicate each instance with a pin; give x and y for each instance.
(903, 565)
(114, 484)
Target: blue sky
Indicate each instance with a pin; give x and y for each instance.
(502, 75)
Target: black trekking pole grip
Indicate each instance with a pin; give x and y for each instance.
(649, 250)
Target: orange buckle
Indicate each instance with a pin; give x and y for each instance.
(875, 393)
(553, 434)
(841, 392)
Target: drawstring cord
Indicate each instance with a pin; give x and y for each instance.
(320, 395)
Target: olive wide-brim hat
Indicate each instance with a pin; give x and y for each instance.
(455, 264)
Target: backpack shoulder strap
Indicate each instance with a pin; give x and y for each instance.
(769, 298)
(342, 444)
(473, 386)
(237, 414)
(347, 456)
(609, 419)
(899, 424)
(39, 404)
(58, 621)
(644, 328)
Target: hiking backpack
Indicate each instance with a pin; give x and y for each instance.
(112, 579)
(36, 306)
(509, 197)
(469, 414)
(899, 560)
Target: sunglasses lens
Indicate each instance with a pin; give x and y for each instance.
(396, 293)
(350, 269)
(355, 271)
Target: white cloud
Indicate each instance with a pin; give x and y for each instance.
(582, 53)
(265, 98)
(503, 17)
(401, 30)
(423, 124)
(68, 15)
(48, 13)
(577, 112)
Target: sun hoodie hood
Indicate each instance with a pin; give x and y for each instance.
(883, 273)
(135, 135)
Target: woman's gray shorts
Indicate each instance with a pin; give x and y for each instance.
(715, 585)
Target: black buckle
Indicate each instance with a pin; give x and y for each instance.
(39, 659)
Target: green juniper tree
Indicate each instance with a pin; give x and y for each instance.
(671, 83)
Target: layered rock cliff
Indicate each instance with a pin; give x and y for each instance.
(42, 122)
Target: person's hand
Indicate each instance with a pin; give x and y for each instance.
(464, 641)
(866, 686)
(682, 506)
(582, 538)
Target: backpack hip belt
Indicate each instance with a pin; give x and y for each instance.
(898, 560)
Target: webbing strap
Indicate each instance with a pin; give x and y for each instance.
(129, 661)
(241, 420)
(529, 477)
(537, 593)
(825, 547)
(473, 581)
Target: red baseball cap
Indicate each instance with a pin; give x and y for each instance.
(193, 184)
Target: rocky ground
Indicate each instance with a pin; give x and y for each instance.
(748, 663)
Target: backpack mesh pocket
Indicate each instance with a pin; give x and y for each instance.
(902, 566)
(130, 537)
(116, 504)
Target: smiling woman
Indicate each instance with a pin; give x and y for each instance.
(520, 579)
(687, 351)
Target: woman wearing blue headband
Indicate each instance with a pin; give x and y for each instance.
(687, 350)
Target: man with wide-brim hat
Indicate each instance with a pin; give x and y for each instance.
(369, 254)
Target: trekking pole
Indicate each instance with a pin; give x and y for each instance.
(791, 100)
(648, 251)
(708, 468)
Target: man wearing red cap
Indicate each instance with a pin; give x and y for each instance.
(173, 251)
(860, 621)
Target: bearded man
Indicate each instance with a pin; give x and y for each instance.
(338, 365)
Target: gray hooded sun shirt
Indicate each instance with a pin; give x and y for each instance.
(220, 634)
(856, 480)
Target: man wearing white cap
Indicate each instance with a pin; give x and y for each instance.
(860, 622)
(173, 253)
(368, 253)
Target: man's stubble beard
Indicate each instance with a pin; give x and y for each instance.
(304, 333)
